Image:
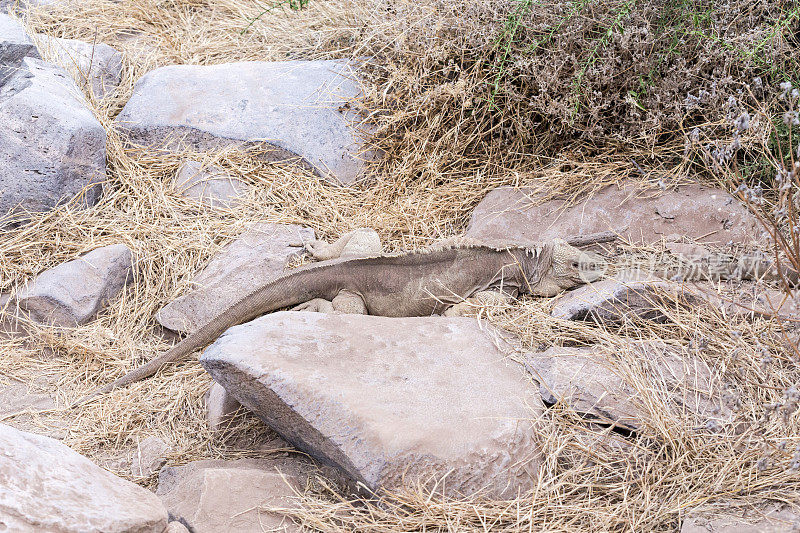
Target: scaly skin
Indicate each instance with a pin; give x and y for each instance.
(417, 283)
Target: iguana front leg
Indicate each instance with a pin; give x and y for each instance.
(345, 303)
(359, 242)
(479, 299)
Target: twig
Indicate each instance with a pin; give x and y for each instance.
(593, 238)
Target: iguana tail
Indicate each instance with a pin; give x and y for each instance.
(188, 345)
(295, 287)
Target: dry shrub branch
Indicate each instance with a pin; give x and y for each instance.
(489, 86)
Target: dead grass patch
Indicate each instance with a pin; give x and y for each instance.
(441, 160)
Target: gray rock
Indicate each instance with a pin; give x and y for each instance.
(176, 527)
(593, 383)
(47, 487)
(701, 213)
(294, 106)
(150, 456)
(210, 185)
(98, 66)
(138, 43)
(16, 398)
(772, 301)
(72, 293)
(389, 401)
(7, 6)
(216, 496)
(15, 45)
(29, 406)
(687, 251)
(775, 518)
(615, 300)
(749, 300)
(696, 262)
(51, 146)
(220, 407)
(579, 378)
(259, 254)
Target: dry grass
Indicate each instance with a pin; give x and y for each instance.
(419, 194)
(596, 480)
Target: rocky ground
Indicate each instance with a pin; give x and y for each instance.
(143, 194)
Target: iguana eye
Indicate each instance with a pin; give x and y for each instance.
(574, 264)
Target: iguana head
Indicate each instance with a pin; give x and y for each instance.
(569, 268)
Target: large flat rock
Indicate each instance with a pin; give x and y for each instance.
(97, 66)
(16, 398)
(615, 300)
(32, 406)
(261, 253)
(213, 496)
(619, 299)
(389, 401)
(51, 145)
(15, 45)
(595, 383)
(48, 488)
(150, 455)
(7, 6)
(294, 106)
(700, 213)
(72, 293)
(775, 518)
(208, 184)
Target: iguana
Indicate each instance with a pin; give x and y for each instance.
(416, 283)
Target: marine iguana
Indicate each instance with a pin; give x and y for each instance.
(416, 283)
